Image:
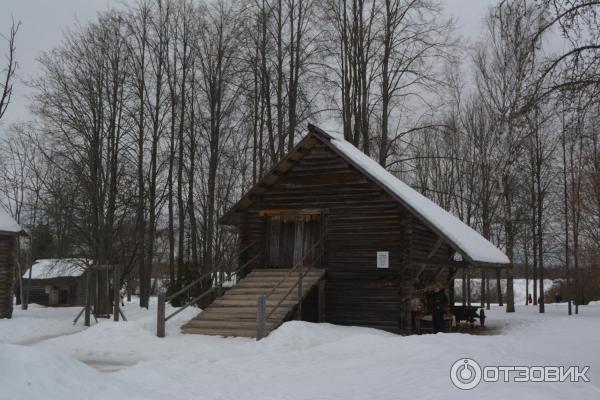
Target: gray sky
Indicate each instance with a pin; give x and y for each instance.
(45, 21)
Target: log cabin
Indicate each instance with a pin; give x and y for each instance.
(57, 282)
(9, 232)
(372, 244)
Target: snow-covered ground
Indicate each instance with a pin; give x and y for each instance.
(298, 361)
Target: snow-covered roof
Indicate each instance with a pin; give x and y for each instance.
(8, 224)
(462, 238)
(57, 268)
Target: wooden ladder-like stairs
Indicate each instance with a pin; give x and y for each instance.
(234, 314)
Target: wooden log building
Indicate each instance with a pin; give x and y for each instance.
(378, 240)
(9, 231)
(57, 282)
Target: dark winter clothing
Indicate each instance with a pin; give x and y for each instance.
(436, 303)
(558, 298)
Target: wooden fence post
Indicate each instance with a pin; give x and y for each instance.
(300, 289)
(160, 318)
(88, 295)
(261, 315)
(116, 293)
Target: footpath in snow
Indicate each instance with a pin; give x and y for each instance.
(298, 361)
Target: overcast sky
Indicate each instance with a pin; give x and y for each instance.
(43, 23)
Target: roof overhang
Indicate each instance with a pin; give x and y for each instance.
(12, 233)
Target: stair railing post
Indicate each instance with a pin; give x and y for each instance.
(261, 316)
(322, 300)
(160, 319)
(300, 290)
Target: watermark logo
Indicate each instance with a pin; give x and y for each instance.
(466, 373)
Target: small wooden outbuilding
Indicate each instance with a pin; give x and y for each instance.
(9, 231)
(57, 282)
(379, 241)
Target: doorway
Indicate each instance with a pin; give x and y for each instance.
(63, 297)
(293, 237)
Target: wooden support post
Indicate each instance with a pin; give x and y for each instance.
(451, 273)
(300, 292)
(464, 287)
(261, 315)
(322, 301)
(499, 288)
(116, 290)
(88, 296)
(160, 318)
(299, 257)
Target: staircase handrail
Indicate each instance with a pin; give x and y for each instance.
(162, 318)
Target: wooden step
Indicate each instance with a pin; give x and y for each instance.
(286, 284)
(251, 290)
(276, 279)
(238, 309)
(251, 303)
(221, 332)
(226, 324)
(239, 316)
(277, 271)
(282, 273)
(264, 285)
(254, 297)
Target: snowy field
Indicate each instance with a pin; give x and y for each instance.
(519, 287)
(125, 360)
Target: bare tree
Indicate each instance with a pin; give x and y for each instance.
(414, 39)
(8, 72)
(504, 65)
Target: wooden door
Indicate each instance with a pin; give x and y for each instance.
(54, 294)
(292, 239)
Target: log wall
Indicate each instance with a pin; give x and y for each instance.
(7, 275)
(37, 290)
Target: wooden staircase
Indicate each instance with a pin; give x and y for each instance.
(235, 313)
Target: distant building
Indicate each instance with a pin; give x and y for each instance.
(9, 231)
(57, 282)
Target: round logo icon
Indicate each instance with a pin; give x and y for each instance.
(465, 373)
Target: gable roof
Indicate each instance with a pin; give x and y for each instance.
(57, 268)
(462, 238)
(8, 226)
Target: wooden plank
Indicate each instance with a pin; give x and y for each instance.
(292, 212)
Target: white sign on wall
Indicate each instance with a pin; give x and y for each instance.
(383, 259)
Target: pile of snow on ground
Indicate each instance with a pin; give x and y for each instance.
(297, 361)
